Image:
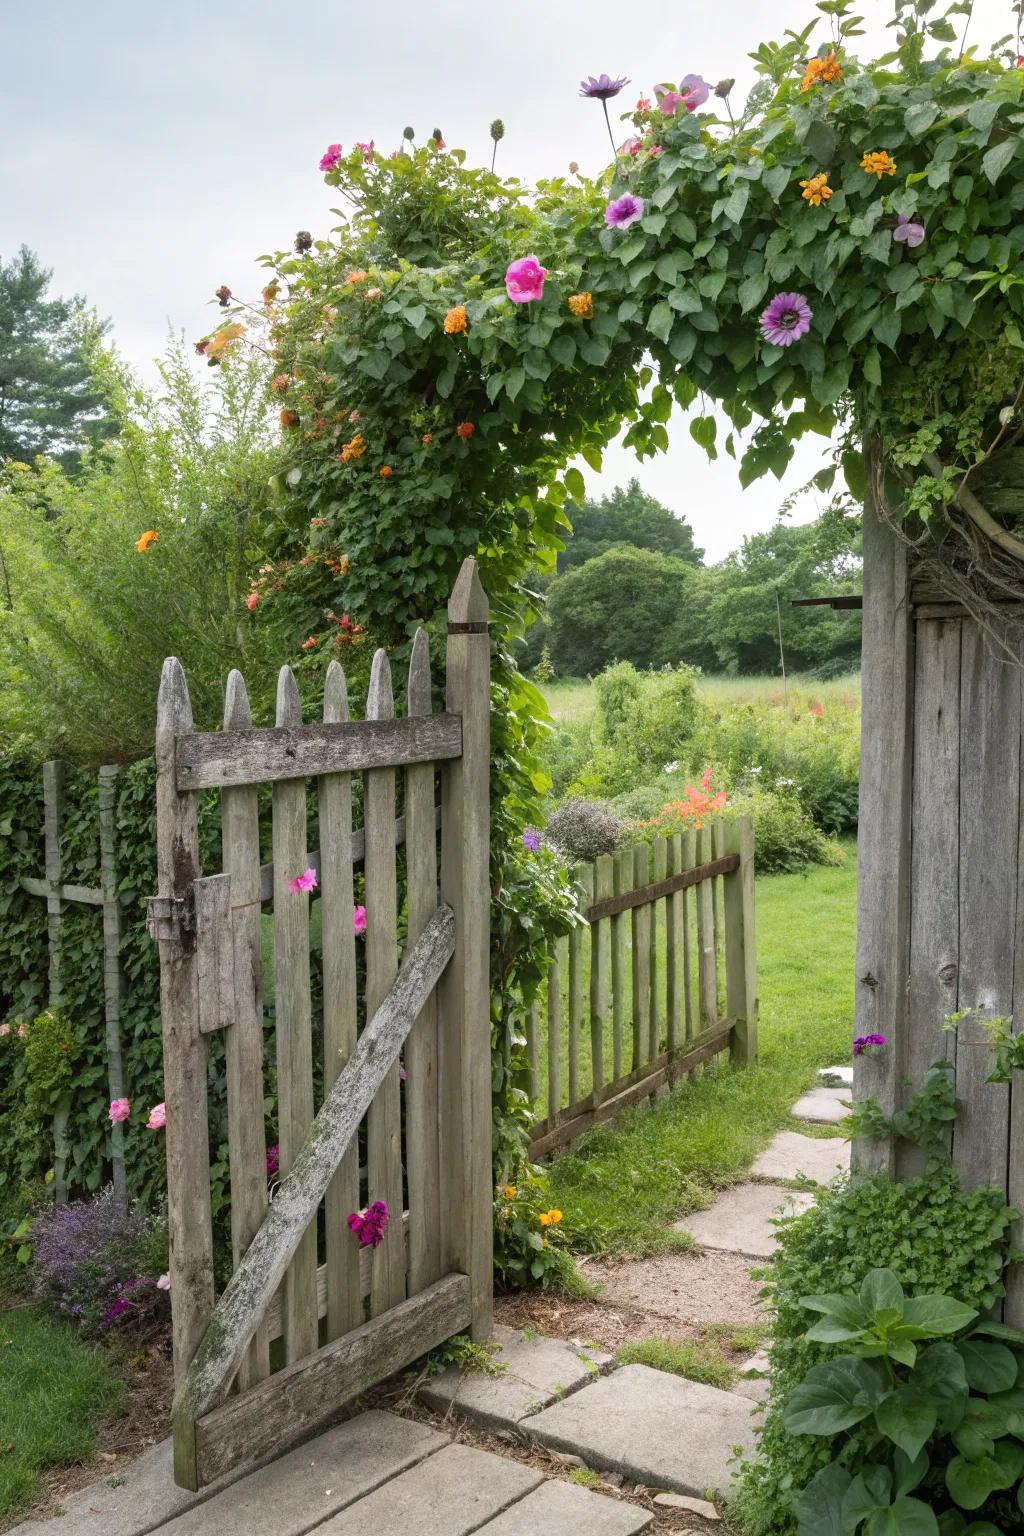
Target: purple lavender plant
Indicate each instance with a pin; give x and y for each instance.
(95, 1261)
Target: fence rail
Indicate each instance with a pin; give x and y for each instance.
(661, 977)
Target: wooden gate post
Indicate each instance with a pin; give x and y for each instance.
(113, 981)
(740, 943)
(464, 993)
(53, 806)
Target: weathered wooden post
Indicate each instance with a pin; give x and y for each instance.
(113, 980)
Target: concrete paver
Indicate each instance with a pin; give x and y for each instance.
(556, 1508)
(823, 1106)
(790, 1156)
(836, 1077)
(539, 1371)
(451, 1494)
(741, 1219)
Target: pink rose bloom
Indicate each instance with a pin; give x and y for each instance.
(524, 280)
(359, 920)
(119, 1110)
(370, 1225)
(5, 1029)
(164, 1283)
(367, 150)
(304, 882)
(331, 157)
(157, 1117)
(252, 600)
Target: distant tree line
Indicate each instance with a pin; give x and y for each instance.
(631, 585)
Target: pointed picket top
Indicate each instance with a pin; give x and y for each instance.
(468, 602)
(173, 705)
(237, 714)
(289, 705)
(380, 701)
(335, 695)
(418, 698)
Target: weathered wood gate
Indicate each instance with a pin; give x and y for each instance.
(431, 1276)
(941, 904)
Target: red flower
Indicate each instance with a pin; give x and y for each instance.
(465, 429)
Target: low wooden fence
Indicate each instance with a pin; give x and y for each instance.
(662, 977)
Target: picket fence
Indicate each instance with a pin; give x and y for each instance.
(662, 977)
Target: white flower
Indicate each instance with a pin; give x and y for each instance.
(671, 768)
(758, 769)
(785, 783)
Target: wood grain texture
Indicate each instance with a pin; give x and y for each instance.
(533, 1051)
(583, 879)
(384, 1143)
(642, 896)
(1013, 1309)
(600, 964)
(707, 955)
(113, 976)
(84, 895)
(689, 858)
(422, 1128)
(247, 1148)
(268, 756)
(640, 933)
(738, 914)
(622, 880)
(674, 1026)
(293, 1019)
(659, 869)
(556, 970)
(337, 903)
(215, 952)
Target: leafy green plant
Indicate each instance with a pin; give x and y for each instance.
(530, 1241)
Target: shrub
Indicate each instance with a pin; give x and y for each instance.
(98, 1263)
(786, 840)
(530, 1246)
(643, 721)
(582, 831)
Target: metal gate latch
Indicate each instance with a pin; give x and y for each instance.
(168, 918)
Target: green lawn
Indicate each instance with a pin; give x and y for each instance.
(621, 1186)
(572, 698)
(53, 1390)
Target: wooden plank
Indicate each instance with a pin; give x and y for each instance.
(84, 895)
(883, 838)
(717, 834)
(337, 903)
(555, 972)
(422, 1162)
(467, 1210)
(247, 1296)
(934, 864)
(302, 1397)
(740, 941)
(113, 976)
(690, 1000)
(641, 939)
(707, 959)
(384, 1131)
(990, 780)
(54, 776)
(600, 937)
(642, 897)
(583, 880)
(215, 952)
(354, 746)
(622, 876)
(675, 998)
(1014, 1274)
(358, 854)
(659, 869)
(293, 1018)
(187, 1136)
(533, 1050)
(243, 1045)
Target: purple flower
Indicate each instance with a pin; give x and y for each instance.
(112, 1313)
(866, 1042)
(787, 318)
(692, 93)
(531, 840)
(908, 230)
(623, 211)
(370, 1225)
(603, 88)
(273, 1160)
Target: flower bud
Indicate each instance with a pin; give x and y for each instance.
(408, 133)
(223, 295)
(723, 88)
(573, 167)
(303, 241)
(497, 130)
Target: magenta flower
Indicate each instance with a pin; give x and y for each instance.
(331, 157)
(119, 1110)
(787, 318)
(304, 882)
(623, 211)
(119, 1307)
(157, 1118)
(358, 920)
(367, 150)
(273, 1160)
(531, 840)
(631, 147)
(693, 92)
(908, 231)
(867, 1043)
(524, 280)
(370, 1225)
(603, 88)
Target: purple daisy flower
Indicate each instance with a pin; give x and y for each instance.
(603, 88)
(786, 319)
(909, 231)
(623, 211)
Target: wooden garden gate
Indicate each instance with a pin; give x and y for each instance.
(347, 1317)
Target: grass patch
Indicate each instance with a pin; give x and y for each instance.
(621, 1186)
(53, 1390)
(573, 698)
(710, 1358)
(585, 1477)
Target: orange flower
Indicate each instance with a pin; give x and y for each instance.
(878, 163)
(374, 293)
(353, 449)
(550, 1218)
(455, 320)
(357, 277)
(816, 189)
(307, 645)
(318, 522)
(386, 471)
(427, 439)
(271, 291)
(821, 71)
(465, 429)
(223, 342)
(289, 418)
(280, 382)
(149, 537)
(581, 305)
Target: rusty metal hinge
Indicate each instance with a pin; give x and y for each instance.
(169, 918)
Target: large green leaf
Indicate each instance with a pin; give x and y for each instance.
(995, 160)
(881, 1292)
(907, 1517)
(907, 1419)
(660, 320)
(834, 1396)
(819, 1509)
(990, 1367)
(971, 1482)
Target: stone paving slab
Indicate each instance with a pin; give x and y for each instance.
(451, 1494)
(540, 1371)
(836, 1077)
(754, 1387)
(823, 1106)
(653, 1427)
(741, 1219)
(556, 1508)
(791, 1156)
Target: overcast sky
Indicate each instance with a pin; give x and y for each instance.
(151, 152)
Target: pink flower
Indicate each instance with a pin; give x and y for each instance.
(157, 1117)
(524, 280)
(164, 1283)
(304, 882)
(119, 1110)
(273, 1160)
(367, 150)
(331, 157)
(370, 1225)
(644, 104)
(5, 1029)
(631, 147)
(22, 1031)
(705, 781)
(815, 709)
(252, 600)
(358, 920)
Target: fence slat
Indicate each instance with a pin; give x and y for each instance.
(422, 1161)
(584, 878)
(707, 968)
(622, 878)
(294, 1021)
(673, 945)
(740, 947)
(338, 943)
(113, 980)
(659, 869)
(384, 1145)
(555, 971)
(533, 1050)
(689, 857)
(243, 1043)
(641, 935)
(600, 941)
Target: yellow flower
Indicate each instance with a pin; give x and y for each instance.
(816, 189)
(222, 343)
(878, 163)
(510, 1191)
(821, 71)
(550, 1218)
(581, 305)
(455, 320)
(149, 537)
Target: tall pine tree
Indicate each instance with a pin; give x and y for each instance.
(48, 402)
